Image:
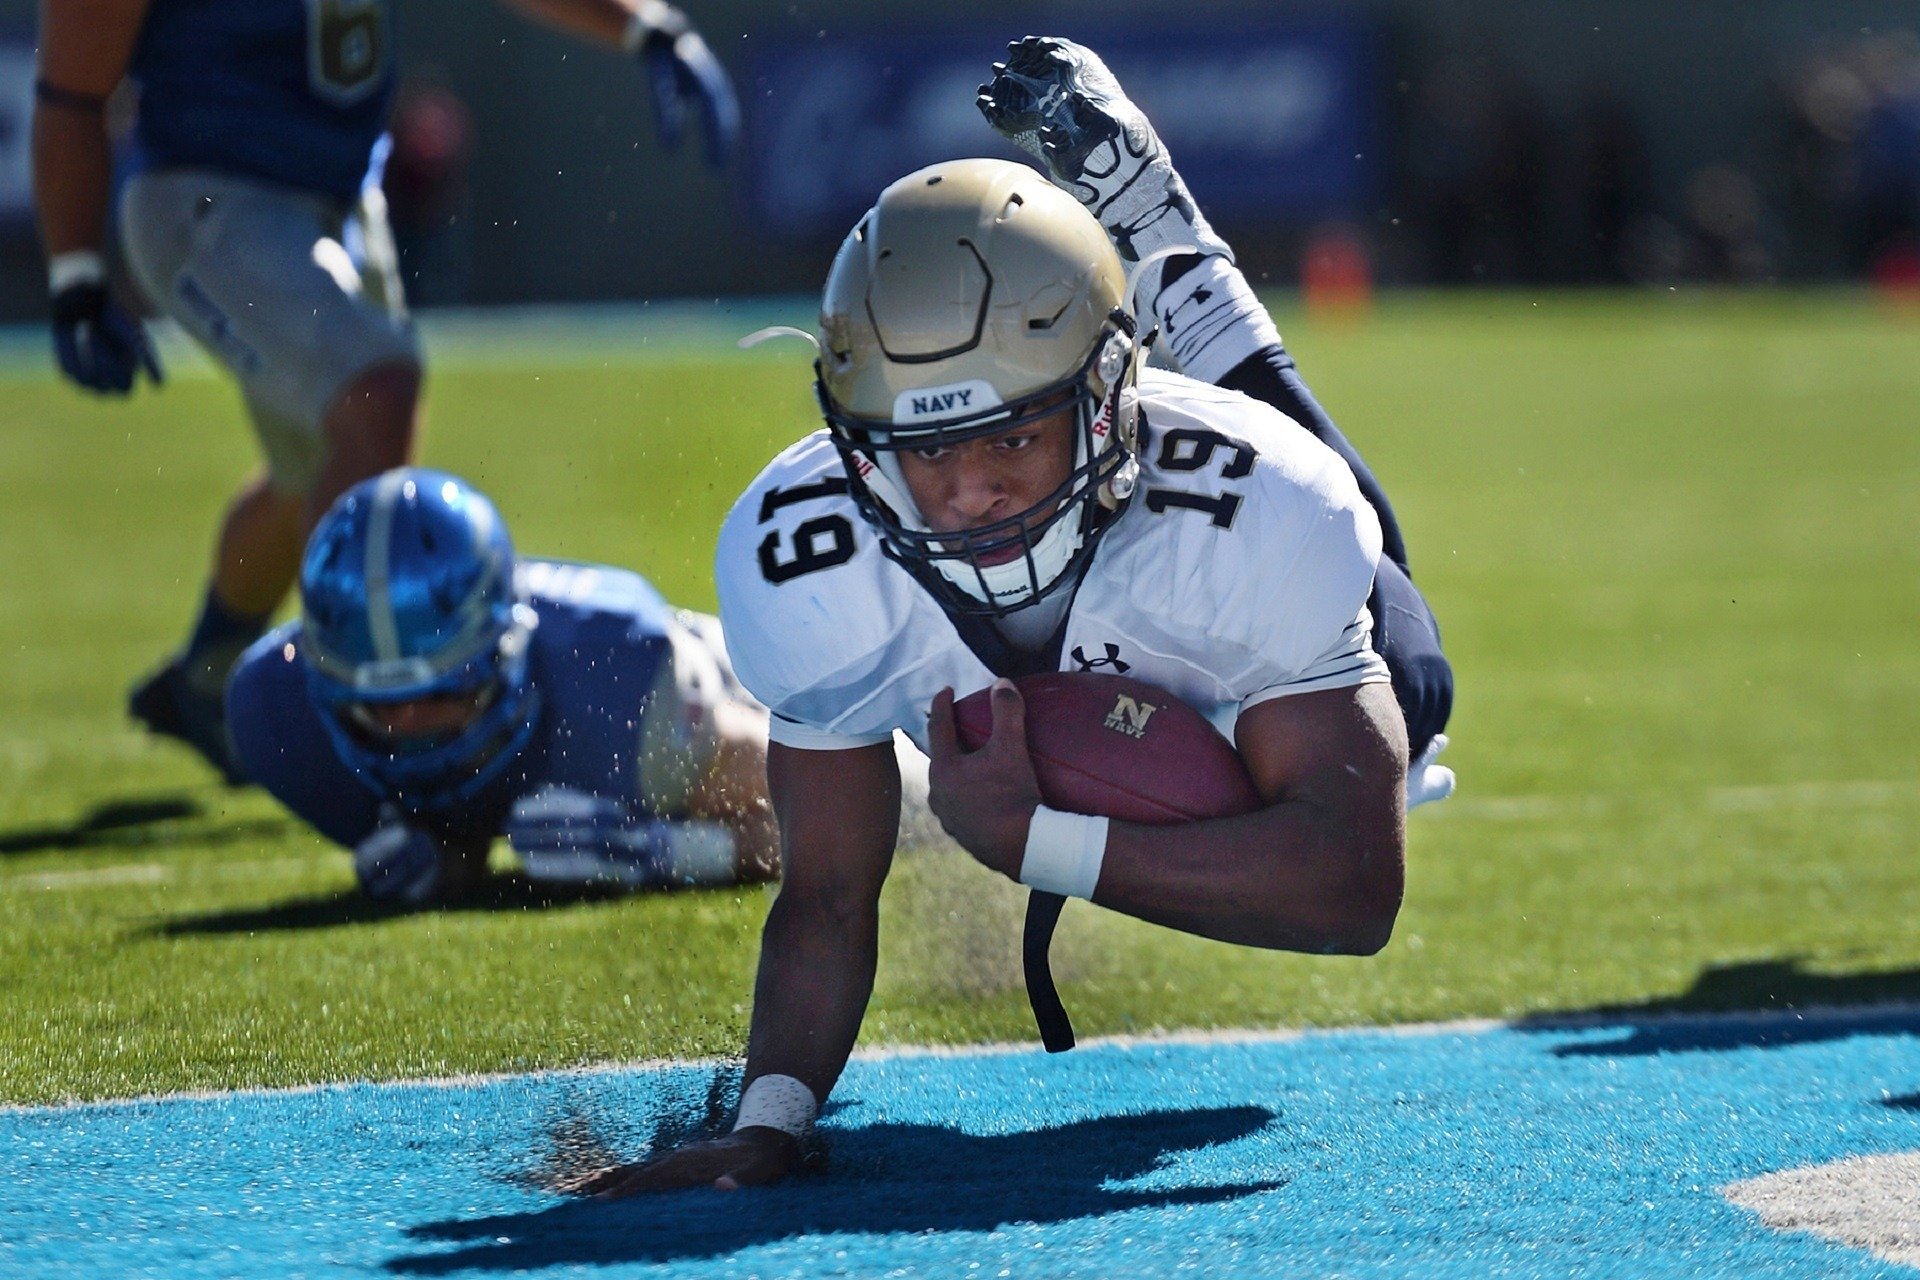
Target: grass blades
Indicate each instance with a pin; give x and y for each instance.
(1671, 540)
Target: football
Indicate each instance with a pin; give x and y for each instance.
(1119, 747)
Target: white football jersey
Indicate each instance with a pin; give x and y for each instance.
(1239, 572)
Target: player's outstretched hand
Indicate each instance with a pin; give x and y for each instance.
(985, 799)
(98, 343)
(567, 836)
(749, 1157)
(683, 74)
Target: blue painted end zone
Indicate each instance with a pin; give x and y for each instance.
(1591, 1152)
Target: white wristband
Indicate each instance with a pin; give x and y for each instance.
(648, 15)
(1064, 852)
(777, 1102)
(76, 266)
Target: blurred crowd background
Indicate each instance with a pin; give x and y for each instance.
(1391, 142)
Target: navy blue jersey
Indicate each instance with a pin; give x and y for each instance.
(595, 656)
(291, 91)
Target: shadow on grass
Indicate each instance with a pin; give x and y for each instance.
(123, 824)
(1754, 1005)
(509, 892)
(885, 1180)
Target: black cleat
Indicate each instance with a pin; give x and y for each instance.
(169, 704)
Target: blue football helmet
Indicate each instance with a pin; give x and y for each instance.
(407, 589)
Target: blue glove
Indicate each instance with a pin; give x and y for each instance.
(683, 72)
(576, 837)
(98, 344)
(399, 862)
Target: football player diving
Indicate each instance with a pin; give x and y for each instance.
(1002, 489)
(436, 693)
(251, 213)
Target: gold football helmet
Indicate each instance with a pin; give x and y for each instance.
(972, 298)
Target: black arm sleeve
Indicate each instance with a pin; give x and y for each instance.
(1270, 376)
(1404, 633)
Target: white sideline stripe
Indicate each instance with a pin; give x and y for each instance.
(532, 337)
(1810, 794)
(1864, 1202)
(1893, 1011)
(1754, 799)
(135, 873)
(150, 873)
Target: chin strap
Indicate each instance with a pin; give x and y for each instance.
(1043, 914)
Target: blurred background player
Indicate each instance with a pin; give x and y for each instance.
(437, 693)
(253, 216)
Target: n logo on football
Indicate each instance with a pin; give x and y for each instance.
(1130, 717)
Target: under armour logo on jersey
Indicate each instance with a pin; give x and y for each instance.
(1094, 664)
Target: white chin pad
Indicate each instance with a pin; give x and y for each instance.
(1010, 583)
(1006, 584)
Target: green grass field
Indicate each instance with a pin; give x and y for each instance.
(1672, 540)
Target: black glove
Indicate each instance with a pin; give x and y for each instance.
(97, 342)
(683, 72)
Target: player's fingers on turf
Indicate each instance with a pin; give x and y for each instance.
(763, 1165)
(585, 1184)
(943, 741)
(633, 1179)
(686, 1167)
(699, 1165)
(590, 1183)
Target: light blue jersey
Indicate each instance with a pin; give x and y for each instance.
(594, 658)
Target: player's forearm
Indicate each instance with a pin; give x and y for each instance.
(85, 49)
(817, 959)
(72, 164)
(1294, 876)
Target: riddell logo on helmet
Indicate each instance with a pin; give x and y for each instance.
(1130, 717)
(940, 404)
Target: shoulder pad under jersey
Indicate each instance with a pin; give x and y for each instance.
(821, 626)
(1246, 536)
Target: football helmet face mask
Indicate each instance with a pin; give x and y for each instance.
(973, 299)
(407, 593)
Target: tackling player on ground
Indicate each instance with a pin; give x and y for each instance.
(1001, 490)
(437, 692)
(253, 216)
